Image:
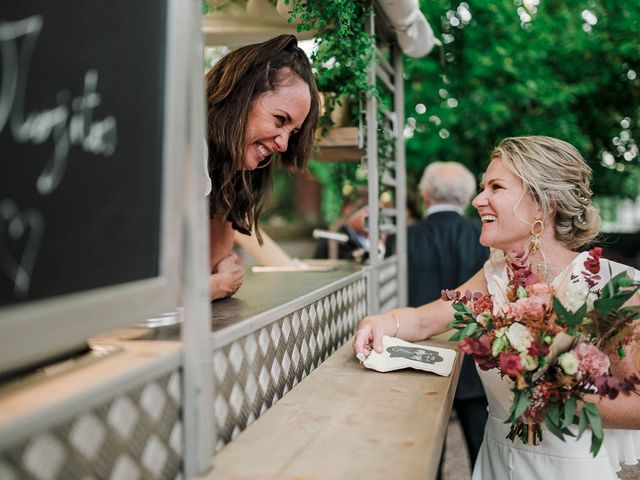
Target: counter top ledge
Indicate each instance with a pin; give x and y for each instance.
(344, 421)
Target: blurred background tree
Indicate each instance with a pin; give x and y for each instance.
(565, 68)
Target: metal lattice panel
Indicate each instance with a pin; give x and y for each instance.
(388, 290)
(252, 373)
(136, 435)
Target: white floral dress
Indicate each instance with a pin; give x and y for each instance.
(500, 458)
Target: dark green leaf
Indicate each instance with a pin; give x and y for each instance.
(470, 329)
(569, 410)
(553, 412)
(456, 337)
(594, 419)
(596, 443)
(520, 404)
(565, 317)
(553, 427)
(593, 415)
(582, 423)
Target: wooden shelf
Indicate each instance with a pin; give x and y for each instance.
(338, 145)
(235, 27)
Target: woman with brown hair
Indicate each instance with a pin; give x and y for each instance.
(262, 106)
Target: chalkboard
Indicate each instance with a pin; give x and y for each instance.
(94, 109)
(82, 102)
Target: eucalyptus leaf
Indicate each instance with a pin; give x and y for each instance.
(553, 427)
(569, 410)
(582, 423)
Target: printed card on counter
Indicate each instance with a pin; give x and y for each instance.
(398, 354)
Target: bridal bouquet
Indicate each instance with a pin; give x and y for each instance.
(555, 352)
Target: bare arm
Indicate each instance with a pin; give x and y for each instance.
(220, 240)
(226, 272)
(413, 324)
(624, 411)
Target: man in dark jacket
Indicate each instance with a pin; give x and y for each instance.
(443, 252)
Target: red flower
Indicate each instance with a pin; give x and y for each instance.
(510, 364)
(596, 252)
(538, 348)
(592, 263)
(486, 362)
(480, 346)
(481, 304)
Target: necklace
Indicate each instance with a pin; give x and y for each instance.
(547, 272)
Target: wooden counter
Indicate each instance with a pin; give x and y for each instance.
(344, 421)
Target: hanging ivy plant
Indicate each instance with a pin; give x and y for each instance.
(344, 48)
(341, 60)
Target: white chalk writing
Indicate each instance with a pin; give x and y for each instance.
(69, 123)
(20, 237)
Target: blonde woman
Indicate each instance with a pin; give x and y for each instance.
(535, 191)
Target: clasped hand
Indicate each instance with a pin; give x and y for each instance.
(227, 277)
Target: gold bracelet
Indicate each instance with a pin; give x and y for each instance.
(397, 323)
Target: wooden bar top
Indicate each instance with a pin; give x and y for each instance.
(345, 421)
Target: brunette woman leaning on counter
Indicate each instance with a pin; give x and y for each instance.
(262, 106)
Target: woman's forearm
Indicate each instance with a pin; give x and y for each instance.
(220, 239)
(416, 324)
(623, 412)
(434, 318)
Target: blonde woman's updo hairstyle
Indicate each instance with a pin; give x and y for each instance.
(558, 178)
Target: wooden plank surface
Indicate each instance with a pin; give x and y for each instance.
(344, 421)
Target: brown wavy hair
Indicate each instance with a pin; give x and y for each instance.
(237, 80)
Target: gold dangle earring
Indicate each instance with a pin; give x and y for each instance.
(266, 164)
(535, 234)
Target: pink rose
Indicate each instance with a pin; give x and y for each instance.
(530, 307)
(591, 360)
(544, 291)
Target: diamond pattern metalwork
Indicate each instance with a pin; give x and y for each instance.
(252, 373)
(388, 289)
(136, 435)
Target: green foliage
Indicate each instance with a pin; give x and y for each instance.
(344, 48)
(338, 180)
(464, 322)
(506, 70)
(340, 61)
(566, 318)
(519, 405)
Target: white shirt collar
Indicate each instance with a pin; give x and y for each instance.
(443, 207)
